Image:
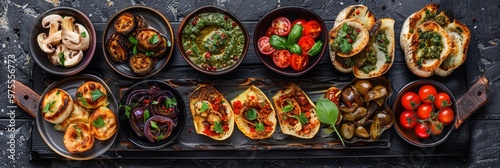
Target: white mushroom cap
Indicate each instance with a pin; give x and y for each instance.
(47, 43)
(52, 22)
(74, 40)
(72, 58)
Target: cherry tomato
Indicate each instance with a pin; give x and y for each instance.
(264, 46)
(281, 26)
(408, 120)
(425, 92)
(421, 131)
(442, 100)
(446, 115)
(312, 28)
(435, 127)
(281, 58)
(299, 21)
(410, 101)
(306, 43)
(424, 111)
(270, 32)
(299, 62)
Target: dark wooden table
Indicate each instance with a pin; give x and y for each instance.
(474, 144)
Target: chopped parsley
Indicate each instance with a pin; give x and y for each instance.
(251, 114)
(218, 127)
(48, 106)
(96, 94)
(127, 110)
(134, 42)
(61, 58)
(146, 115)
(204, 107)
(149, 53)
(288, 107)
(154, 39)
(259, 127)
(171, 102)
(83, 34)
(302, 118)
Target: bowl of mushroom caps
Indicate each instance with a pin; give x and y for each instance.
(63, 41)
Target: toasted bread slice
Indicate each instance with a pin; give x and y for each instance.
(56, 106)
(291, 103)
(382, 44)
(342, 64)
(79, 114)
(210, 110)
(360, 41)
(103, 123)
(261, 127)
(92, 95)
(428, 13)
(359, 12)
(78, 138)
(425, 67)
(460, 38)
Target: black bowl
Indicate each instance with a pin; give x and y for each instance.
(211, 9)
(408, 134)
(143, 142)
(292, 13)
(156, 20)
(40, 57)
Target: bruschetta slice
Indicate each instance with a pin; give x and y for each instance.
(79, 114)
(359, 12)
(78, 138)
(103, 123)
(427, 48)
(377, 57)
(254, 114)
(296, 112)
(212, 113)
(349, 38)
(92, 95)
(460, 37)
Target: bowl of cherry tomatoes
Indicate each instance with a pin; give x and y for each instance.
(290, 40)
(426, 113)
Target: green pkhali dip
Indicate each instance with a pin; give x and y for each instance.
(213, 41)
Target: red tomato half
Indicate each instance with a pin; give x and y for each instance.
(299, 62)
(306, 43)
(270, 32)
(281, 58)
(281, 26)
(264, 46)
(312, 28)
(299, 21)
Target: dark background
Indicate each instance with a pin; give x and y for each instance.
(482, 18)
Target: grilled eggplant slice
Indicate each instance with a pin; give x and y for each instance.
(141, 64)
(117, 49)
(162, 48)
(57, 105)
(125, 23)
(148, 39)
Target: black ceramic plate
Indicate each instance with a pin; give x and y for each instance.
(41, 58)
(54, 139)
(155, 20)
(143, 142)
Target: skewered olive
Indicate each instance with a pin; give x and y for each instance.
(377, 92)
(384, 118)
(349, 95)
(356, 115)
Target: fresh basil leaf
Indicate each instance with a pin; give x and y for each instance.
(327, 111)
(278, 42)
(259, 127)
(154, 126)
(315, 49)
(251, 114)
(218, 127)
(345, 47)
(99, 122)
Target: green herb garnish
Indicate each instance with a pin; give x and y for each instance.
(149, 53)
(61, 58)
(259, 127)
(218, 127)
(83, 34)
(127, 110)
(154, 126)
(146, 115)
(154, 102)
(154, 39)
(251, 114)
(134, 43)
(204, 107)
(96, 94)
(288, 107)
(302, 118)
(78, 131)
(48, 106)
(171, 102)
(328, 113)
(99, 122)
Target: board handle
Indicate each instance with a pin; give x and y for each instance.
(26, 98)
(472, 100)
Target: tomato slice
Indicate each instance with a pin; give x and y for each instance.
(281, 58)
(299, 21)
(306, 43)
(270, 32)
(299, 62)
(312, 28)
(281, 26)
(264, 46)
